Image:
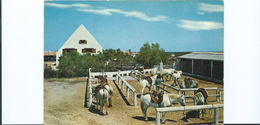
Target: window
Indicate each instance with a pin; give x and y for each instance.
(82, 41)
(68, 50)
(91, 50)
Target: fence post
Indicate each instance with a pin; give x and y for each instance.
(216, 116)
(122, 84)
(157, 118)
(90, 89)
(135, 99)
(118, 74)
(218, 93)
(127, 91)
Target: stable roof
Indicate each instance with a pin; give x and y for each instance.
(50, 53)
(218, 56)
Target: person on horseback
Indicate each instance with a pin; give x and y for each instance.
(158, 83)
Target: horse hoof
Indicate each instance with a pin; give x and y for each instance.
(146, 120)
(163, 122)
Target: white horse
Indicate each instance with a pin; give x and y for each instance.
(144, 83)
(176, 75)
(110, 90)
(153, 71)
(102, 100)
(168, 100)
(199, 99)
(183, 85)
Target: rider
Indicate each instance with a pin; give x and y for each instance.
(157, 83)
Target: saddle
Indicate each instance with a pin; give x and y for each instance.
(156, 98)
(148, 78)
(100, 86)
(204, 93)
(188, 81)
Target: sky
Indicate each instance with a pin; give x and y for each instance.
(178, 26)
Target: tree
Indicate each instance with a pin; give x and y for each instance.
(151, 55)
(72, 64)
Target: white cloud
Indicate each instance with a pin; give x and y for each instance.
(200, 13)
(135, 14)
(102, 12)
(109, 12)
(210, 7)
(67, 5)
(199, 25)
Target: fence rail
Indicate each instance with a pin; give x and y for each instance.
(218, 93)
(128, 86)
(186, 108)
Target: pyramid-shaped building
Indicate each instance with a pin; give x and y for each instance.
(82, 42)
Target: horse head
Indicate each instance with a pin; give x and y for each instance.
(177, 98)
(181, 100)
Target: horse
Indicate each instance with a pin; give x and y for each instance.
(144, 83)
(102, 100)
(168, 100)
(176, 75)
(105, 85)
(200, 98)
(186, 83)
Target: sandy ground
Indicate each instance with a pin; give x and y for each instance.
(64, 101)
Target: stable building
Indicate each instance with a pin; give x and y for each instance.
(82, 42)
(208, 65)
(50, 60)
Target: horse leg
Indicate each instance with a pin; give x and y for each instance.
(145, 115)
(142, 90)
(101, 106)
(163, 118)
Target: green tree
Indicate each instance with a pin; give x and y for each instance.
(151, 55)
(49, 73)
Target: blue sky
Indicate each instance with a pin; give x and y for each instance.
(178, 26)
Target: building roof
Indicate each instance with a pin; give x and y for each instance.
(218, 56)
(50, 53)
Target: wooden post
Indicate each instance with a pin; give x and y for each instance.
(90, 89)
(157, 118)
(211, 69)
(218, 97)
(127, 91)
(135, 99)
(216, 116)
(192, 64)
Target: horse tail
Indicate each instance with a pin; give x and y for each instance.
(141, 85)
(105, 99)
(142, 104)
(111, 95)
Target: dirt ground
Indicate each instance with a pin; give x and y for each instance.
(64, 101)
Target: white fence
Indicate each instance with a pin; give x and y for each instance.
(218, 93)
(186, 108)
(128, 86)
(112, 75)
